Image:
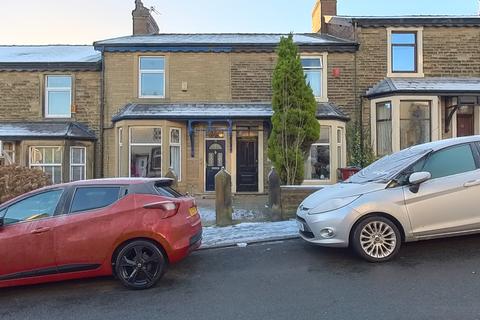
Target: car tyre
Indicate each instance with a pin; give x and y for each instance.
(140, 264)
(376, 239)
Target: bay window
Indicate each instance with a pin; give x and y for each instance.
(145, 152)
(7, 153)
(384, 128)
(49, 160)
(78, 163)
(318, 163)
(175, 151)
(414, 123)
(58, 96)
(152, 77)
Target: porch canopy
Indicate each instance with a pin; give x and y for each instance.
(211, 113)
(426, 86)
(17, 131)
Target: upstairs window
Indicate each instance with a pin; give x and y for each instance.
(404, 51)
(313, 69)
(58, 97)
(152, 77)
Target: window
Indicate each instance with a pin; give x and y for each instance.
(404, 51)
(414, 123)
(49, 160)
(77, 163)
(7, 152)
(312, 68)
(35, 207)
(384, 128)
(152, 77)
(145, 152)
(120, 152)
(450, 161)
(175, 151)
(58, 96)
(339, 148)
(89, 198)
(318, 162)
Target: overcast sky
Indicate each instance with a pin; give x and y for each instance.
(84, 21)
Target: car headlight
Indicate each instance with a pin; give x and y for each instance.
(333, 204)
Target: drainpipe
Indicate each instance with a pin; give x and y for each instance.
(102, 114)
(355, 88)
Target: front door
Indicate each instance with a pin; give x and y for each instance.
(247, 165)
(215, 160)
(465, 125)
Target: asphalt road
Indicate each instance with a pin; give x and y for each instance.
(285, 280)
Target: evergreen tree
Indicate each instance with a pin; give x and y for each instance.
(294, 124)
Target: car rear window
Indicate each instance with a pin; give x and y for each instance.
(164, 189)
(89, 198)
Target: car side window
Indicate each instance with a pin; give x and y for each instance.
(39, 206)
(450, 161)
(89, 198)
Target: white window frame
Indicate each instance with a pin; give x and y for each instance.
(324, 70)
(179, 145)
(330, 158)
(120, 151)
(9, 159)
(40, 166)
(151, 71)
(130, 145)
(419, 57)
(84, 165)
(58, 89)
(435, 118)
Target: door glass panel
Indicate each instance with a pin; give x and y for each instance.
(35, 207)
(450, 161)
(94, 198)
(219, 159)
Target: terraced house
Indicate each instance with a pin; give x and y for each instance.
(141, 104)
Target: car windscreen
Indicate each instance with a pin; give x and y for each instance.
(163, 188)
(387, 167)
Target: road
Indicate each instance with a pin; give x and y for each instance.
(284, 280)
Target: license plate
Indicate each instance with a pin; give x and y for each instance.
(301, 227)
(193, 211)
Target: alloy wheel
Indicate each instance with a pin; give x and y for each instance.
(378, 239)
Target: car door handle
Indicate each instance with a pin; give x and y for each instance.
(41, 230)
(472, 183)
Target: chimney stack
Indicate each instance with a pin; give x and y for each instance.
(322, 10)
(143, 22)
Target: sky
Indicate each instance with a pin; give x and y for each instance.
(85, 21)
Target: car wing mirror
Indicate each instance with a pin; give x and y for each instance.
(418, 178)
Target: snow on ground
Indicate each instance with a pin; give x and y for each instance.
(208, 215)
(244, 233)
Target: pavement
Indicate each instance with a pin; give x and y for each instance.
(437, 279)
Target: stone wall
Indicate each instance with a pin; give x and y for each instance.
(292, 196)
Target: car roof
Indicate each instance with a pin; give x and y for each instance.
(440, 144)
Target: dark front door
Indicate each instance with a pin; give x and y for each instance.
(465, 125)
(215, 160)
(247, 165)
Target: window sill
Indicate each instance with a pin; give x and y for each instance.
(321, 99)
(405, 75)
(59, 117)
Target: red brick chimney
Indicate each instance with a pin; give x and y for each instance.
(143, 22)
(322, 10)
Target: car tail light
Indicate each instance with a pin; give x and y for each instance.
(169, 208)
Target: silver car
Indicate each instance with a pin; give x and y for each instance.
(423, 192)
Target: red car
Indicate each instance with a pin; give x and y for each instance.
(131, 228)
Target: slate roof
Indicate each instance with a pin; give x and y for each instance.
(45, 130)
(415, 20)
(439, 86)
(214, 111)
(224, 42)
(50, 57)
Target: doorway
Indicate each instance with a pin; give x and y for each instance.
(215, 160)
(247, 164)
(465, 121)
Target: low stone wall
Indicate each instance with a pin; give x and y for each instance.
(292, 196)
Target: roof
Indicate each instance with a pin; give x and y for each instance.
(218, 42)
(192, 111)
(439, 86)
(50, 57)
(330, 111)
(45, 130)
(187, 111)
(414, 20)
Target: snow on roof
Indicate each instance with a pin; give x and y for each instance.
(221, 39)
(48, 54)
